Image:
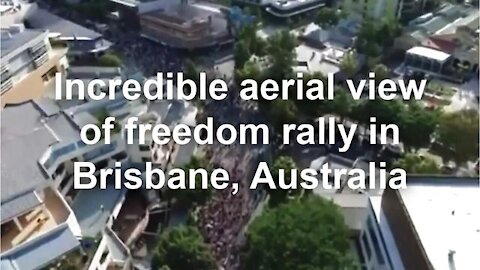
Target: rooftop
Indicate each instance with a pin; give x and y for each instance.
(41, 251)
(43, 19)
(446, 217)
(429, 53)
(93, 208)
(311, 60)
(287, 8)
(25, 130)
(11, 40)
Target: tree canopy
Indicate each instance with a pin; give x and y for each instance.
(457, 133)
(349, 64)
(416, 164)
(278, 196)
(182, 248)
(301, 234)
(417, 126)
(109, 60)
(281, 50)
(281, 112)
(327, 17)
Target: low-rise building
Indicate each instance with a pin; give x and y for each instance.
(38, 225)
(291, 8)
(434, 223)
(376, 9)
(367, 241)
(43, 216)
(185, 25)
(29, 63)
(80, 40)
(452, 29)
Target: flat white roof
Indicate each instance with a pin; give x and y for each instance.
(314, 60)
(446, 218)
(429, 53)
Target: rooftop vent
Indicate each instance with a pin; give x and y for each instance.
(16, 28)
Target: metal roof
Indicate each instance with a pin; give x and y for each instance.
(43, 19)
(40, 251)
(26, 135)
(429, 53)
(11, 41)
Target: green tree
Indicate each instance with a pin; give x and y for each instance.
(341, 104)
(349, 64)
(381, 72)
(241, 54)
(282, 112)
(301, 234)
(416, 164)
(192, 71)
(385, 112)
(281, 50)
(188, 198)
(278, 196)
(417, 126)
(387, 31)
(109, 60)
(327, 17)
(182, 248)
(458, 134)
(250, 70)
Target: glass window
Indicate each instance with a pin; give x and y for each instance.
(376, 245)
(366, 245)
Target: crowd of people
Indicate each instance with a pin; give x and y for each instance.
(145, 55)
(224, 217)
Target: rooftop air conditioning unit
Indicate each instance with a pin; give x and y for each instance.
(17, 28)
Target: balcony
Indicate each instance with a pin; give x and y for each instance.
(6, 85)
(132, 218)
(32, 86)
(44, 218)
(40, 60)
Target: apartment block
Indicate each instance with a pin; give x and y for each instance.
(28, 63)
(38, 225)
(376, 9)
(43, 216)
(434, 223)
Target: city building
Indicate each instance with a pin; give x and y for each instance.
(322, 50)
(80, 40)
(389, 9)
(427, 59)
(443, 43)
(375, 9)
(452, 29)
(409, 9)
(290, 8)
(434, 223)
(367, 241)
(185, 25)
(38, 225)
(48, 223)
(29, 63)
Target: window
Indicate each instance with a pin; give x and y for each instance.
(104, 256)
(144, 147)
(376, 245)
(366, 245)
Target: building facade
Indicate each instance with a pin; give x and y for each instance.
(29, 63)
